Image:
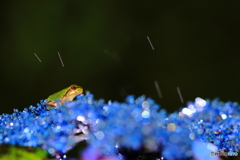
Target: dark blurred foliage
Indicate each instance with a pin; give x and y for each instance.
(105, 49)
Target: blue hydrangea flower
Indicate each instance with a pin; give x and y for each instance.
(136, 124)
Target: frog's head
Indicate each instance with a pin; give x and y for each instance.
(72, 92)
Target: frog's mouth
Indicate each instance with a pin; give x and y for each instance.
(71, 94)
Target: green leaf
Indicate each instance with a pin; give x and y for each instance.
(10, 152)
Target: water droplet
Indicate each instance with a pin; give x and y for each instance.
(145, 114)
(145, 105)
(80, 118)
(99, 135)
(200, 102)
(51, 150)
(171, 127)
(192, 136)
(224, 116)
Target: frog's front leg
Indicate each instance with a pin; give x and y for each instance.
(51, 104)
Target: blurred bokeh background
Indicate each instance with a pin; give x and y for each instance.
(104, 48)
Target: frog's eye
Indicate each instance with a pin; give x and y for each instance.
(73, 87)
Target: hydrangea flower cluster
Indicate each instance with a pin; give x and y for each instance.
(215, 122)
(137, 124)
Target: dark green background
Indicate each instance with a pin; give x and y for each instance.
(105, 49)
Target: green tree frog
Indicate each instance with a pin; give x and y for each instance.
(67, 94)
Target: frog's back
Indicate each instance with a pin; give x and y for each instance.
(55, 96)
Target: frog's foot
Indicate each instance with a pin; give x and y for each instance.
(51, 104)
